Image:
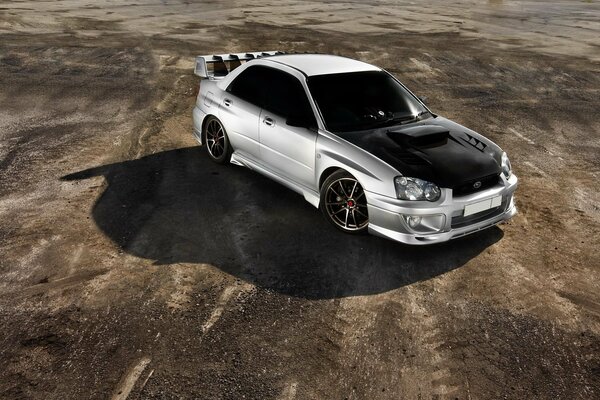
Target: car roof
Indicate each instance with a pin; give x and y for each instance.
(322, 64)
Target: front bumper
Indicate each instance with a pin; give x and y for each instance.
(385, 214)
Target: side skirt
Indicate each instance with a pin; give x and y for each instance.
(310, 195)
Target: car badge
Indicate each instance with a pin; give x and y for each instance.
(477, 185)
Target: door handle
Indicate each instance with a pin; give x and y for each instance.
(227, 102)
(269, 121)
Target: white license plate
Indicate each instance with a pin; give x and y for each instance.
(483, 205)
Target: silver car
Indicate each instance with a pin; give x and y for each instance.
(355, 142)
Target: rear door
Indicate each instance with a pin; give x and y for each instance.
(287, 129)
(240, 109)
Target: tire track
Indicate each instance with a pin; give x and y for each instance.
(227, 294)
(128, 380)
(431, 364)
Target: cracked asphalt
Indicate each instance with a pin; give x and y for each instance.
(131, 267)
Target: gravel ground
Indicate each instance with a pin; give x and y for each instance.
(133, 267)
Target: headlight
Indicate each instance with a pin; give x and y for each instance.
(506, 168)
(416, 189)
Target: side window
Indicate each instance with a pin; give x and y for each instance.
(286, 97)
(250, 85)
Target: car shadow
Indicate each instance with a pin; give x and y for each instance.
(179, 207)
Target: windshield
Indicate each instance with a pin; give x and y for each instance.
(363, 100)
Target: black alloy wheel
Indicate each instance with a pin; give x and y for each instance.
(343, 202)
(217, 142)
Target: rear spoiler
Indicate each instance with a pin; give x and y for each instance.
(219, 65)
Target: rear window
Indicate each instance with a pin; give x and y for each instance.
(250, 84)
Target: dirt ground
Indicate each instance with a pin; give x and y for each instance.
(132, 267)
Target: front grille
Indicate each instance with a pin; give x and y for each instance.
(468, 188)
(461, 221)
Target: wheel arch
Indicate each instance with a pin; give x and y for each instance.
(204, 122)
(327, 173)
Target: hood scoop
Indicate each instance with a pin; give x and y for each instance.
(436, 152)
(424, 136)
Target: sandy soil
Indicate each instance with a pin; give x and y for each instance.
(132, 267)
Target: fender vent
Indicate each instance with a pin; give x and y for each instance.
(478, 144)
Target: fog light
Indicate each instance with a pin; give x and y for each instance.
(425, 223)
(413, 220)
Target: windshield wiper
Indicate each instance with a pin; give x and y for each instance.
(416, 117)
(403, 119)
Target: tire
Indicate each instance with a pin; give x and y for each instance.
(344, 204)
(216, 140)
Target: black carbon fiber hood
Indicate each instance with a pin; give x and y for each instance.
(437, 150)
